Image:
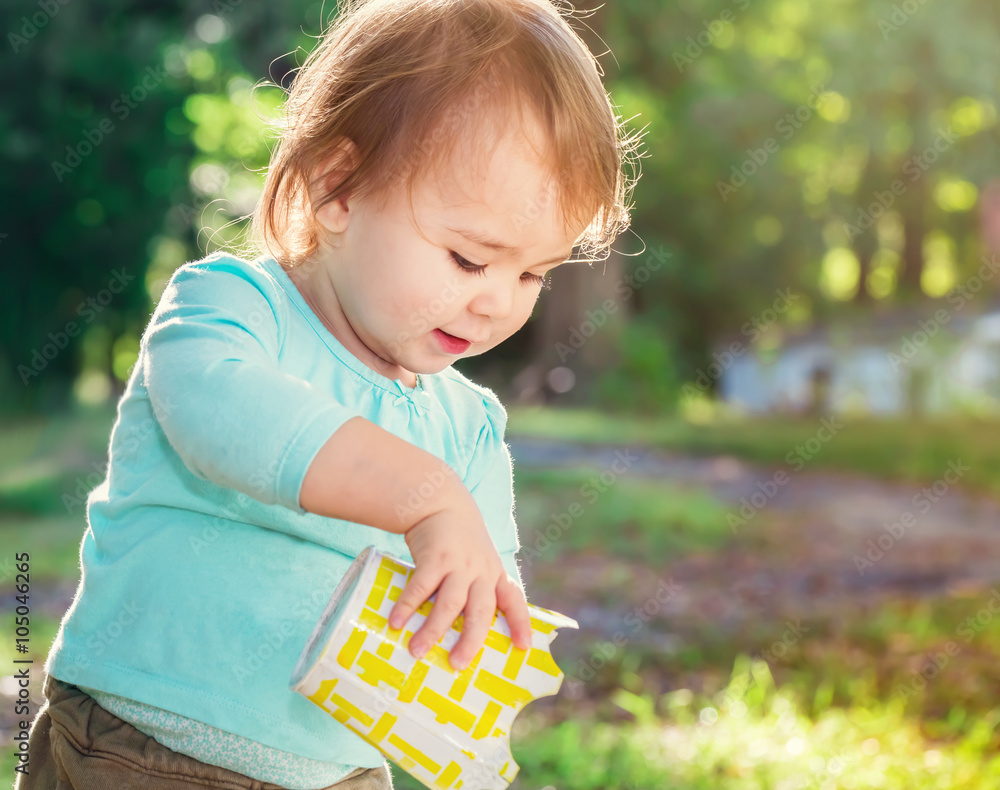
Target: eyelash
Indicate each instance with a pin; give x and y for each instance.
(465, 265)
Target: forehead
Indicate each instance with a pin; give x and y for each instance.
(496, 182)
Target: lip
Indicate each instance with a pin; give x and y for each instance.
(451, 344)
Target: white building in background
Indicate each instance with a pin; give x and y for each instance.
(945, 362)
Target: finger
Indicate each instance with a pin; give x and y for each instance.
(448, 605)
(418, 589)
(479, 610)
(510, 601)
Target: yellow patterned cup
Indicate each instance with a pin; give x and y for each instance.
(447, 729)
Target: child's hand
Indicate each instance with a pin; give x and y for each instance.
(454, 556)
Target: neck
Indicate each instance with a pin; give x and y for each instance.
(316, 287)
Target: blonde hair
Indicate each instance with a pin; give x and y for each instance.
(403, 79)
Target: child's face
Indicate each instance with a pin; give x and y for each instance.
(396, 276)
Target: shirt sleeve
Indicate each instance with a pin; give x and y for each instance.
(210, 363)
(491, 481)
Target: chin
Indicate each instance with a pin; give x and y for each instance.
(431, 369)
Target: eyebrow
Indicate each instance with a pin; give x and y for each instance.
(498, 246)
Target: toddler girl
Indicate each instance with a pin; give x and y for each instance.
(438, 158)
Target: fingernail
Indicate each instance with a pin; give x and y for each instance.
(459, 663)
(418, 650)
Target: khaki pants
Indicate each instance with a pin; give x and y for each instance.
(77, 745)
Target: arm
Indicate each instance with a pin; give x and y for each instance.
(365, 474)
(494, 493)
(210, 367)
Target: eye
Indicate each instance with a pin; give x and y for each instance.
(537, 280)
(466, 266)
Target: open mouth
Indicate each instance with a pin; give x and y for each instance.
(451, 344)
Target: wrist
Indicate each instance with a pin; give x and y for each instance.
(440, 491)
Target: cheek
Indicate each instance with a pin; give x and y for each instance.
(526, 303)
(416, 302)
(519, 314)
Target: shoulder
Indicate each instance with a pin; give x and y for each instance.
(479, 421)
(232, 296)
(478, 403)
(222, 281)
(221, 270)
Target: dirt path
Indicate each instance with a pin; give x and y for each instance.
(805, 544)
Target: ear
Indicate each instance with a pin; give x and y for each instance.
(331, 172)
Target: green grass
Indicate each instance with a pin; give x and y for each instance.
(866, 656)
(836, 718)
(753, 735)
(50, 463)
(750, 736)
(896, 448)
(52, 543)
(570, 509)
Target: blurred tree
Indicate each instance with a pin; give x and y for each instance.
(119, 105)
(89, 167)
(834, 149)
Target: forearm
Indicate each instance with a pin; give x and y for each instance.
(368, 475)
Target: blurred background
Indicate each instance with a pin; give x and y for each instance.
(756, 450)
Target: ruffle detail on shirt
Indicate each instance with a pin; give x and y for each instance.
(489, 440)
(419, 399)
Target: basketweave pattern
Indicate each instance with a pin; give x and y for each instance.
(423, 714)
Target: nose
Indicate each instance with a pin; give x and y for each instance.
(494, 298)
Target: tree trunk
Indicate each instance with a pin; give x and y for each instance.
(913, 246)
(579, 328)
(576, 330)
(866, 244)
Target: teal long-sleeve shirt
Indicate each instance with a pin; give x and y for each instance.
(201, 575)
